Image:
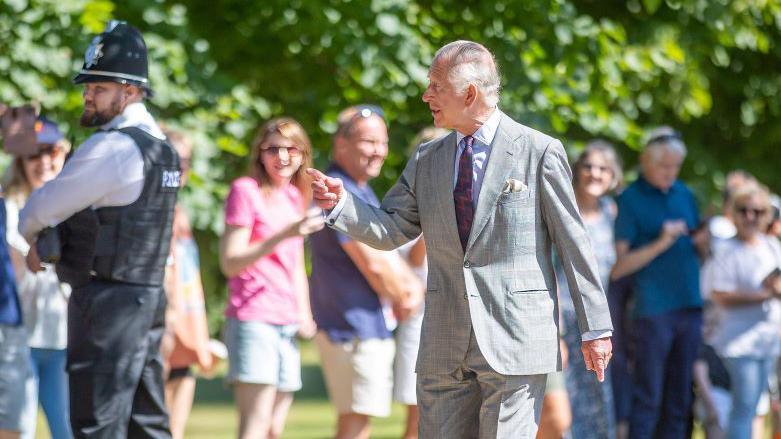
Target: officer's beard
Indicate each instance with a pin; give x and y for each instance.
(91, 117)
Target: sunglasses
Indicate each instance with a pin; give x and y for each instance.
(365, 111)
(50, 150)
(274, 150)
(744, 211)
(361, 112)
(664, 138)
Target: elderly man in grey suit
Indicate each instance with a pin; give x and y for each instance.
(492, 199)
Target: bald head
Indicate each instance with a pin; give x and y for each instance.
(467, 62)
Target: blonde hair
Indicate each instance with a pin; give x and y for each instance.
(290, 129)
(748, 191)
(15, 183)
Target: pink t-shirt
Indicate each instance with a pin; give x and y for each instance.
(265, 290)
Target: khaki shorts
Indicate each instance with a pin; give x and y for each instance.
(358, 374)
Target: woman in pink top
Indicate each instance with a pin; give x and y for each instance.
(262, 254)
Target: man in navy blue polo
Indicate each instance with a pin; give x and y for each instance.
(350, 281)
(657, 216)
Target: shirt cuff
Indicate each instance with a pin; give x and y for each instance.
(330, 217)
(593, 335)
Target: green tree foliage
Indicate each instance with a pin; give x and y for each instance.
(575, 68)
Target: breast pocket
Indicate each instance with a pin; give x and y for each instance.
(514, 197)
(515, 221)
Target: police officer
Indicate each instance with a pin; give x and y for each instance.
(116, 198)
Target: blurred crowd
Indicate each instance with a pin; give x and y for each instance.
(693, 297)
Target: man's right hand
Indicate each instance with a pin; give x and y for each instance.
(409, 305)
(326, 191)
(671, 231)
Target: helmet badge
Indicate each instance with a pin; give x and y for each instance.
(94, 52)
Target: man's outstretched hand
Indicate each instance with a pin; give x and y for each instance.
(326, 191)
(597, 355)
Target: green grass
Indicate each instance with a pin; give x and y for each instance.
(311, 417)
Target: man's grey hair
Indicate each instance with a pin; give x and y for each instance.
(661, 139)
(467, 63)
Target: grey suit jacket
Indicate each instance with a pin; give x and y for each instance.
(503, 286)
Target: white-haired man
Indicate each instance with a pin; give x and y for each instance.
(492, 199)
(656, 236)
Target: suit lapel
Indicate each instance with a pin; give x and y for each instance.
(500, 163)
(443, 167)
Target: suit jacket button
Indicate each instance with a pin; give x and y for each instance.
(465, 297)
(467, 264)
(331, 221)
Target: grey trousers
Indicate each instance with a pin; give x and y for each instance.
(474, 401)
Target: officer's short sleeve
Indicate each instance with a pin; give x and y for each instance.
(240, 204)
(626, 222)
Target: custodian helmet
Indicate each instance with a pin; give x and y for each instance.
(117, 55)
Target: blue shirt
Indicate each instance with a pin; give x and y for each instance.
(671, 281)
(10, 312)
(343, 303)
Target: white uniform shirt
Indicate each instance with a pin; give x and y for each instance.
(106, 170)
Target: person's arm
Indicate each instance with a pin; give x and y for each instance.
(726, 285)
(108, 163)
(388, 227)
(238, 253)
(386, 272)
(307, 324)
(573, 246)
(737, 298)
(417, 254)
(705, 389)
(630, 261)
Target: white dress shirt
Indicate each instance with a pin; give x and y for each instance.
(481, 149)
(106, 170)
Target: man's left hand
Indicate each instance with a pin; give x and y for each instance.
(33, 261)
(597, 355)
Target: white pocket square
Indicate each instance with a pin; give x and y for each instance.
(513, 185)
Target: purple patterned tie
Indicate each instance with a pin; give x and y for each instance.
(462, 194)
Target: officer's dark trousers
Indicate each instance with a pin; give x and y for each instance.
(114, 364)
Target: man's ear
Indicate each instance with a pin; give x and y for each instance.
(132, 93)
(470, 96)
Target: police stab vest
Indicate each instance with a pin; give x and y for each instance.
(133, 242)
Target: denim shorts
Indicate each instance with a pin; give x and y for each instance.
(14, 371)
(261, 353)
